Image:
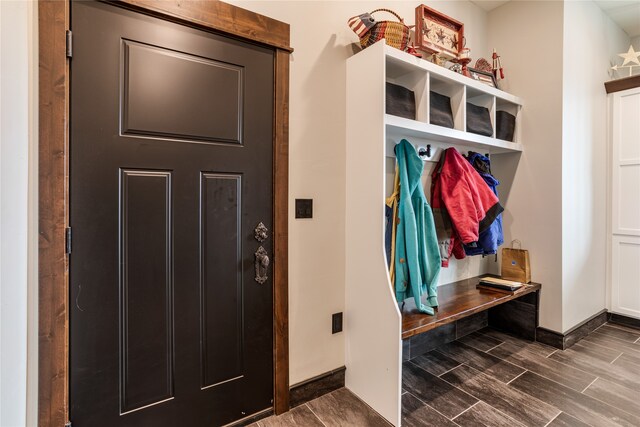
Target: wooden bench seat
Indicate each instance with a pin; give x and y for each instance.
(465, 308)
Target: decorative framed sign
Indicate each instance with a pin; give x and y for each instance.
(438, 33)
(485, 77)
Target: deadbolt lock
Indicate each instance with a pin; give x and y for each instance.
(261, 232)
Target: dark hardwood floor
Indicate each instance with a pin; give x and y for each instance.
(489, 378)
(492, 379)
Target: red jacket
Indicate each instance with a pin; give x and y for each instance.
(463, 204)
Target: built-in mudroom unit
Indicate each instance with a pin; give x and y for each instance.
(382, 329)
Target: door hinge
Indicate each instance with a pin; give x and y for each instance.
(67, 240)
(69, 44)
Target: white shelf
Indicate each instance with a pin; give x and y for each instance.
(399, 127)
(423, 77)
(401, 62)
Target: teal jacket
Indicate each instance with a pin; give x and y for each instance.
(417, 257)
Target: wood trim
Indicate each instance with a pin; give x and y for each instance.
(573, 335)
(621, 319)
(53, 320)
(317, 386)
(53, 202)
(218, 16)
(281, 226)
(622, 84)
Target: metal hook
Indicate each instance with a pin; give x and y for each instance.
(422, 152)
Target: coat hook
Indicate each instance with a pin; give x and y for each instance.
(422, 152)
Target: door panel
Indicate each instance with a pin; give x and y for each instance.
(210, 95)
(146, 288)
(170, 172)
(625, 296)
(221, 280)
(628, 189)
(625, 183)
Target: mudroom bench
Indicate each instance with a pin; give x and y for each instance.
(465, 309)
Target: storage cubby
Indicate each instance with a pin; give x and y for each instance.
(422, 77)
(513, 109)
(456, 92)
(482, 99)
(414, 79)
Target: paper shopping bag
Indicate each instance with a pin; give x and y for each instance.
(515, 264)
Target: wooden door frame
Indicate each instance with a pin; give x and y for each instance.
(53, 197)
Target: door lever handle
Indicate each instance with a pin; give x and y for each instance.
(261, 265)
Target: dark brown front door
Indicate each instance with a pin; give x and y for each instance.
(170, 173)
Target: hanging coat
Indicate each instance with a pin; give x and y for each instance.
(491, 238)
(391, 213)
(417, 258)
(464, 203)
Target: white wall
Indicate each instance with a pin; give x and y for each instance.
(321, 39)
(557, 57)
(592, 41)
(528, 36)
(18, 218)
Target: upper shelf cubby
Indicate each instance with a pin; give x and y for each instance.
(427, 80)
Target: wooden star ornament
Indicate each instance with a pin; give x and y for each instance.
(630, 56)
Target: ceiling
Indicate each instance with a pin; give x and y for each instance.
(489, 4)
(624, 13)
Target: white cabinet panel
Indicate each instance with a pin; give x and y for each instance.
(629, 123)
(625, 297)
(628, 206)
(625, 163)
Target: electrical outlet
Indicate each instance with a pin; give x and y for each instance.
(336, 323)
(304, 208)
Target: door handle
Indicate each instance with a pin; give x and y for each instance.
(261, 264)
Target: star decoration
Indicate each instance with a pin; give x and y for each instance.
(630, 56)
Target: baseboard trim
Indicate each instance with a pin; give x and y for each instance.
(317, 386)
(573, 335)
(621, 319)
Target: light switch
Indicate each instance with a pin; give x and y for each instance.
(304, 208)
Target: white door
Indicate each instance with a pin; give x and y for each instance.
(625, 212)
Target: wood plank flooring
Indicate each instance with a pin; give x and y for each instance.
(521, 383)
(340, 408)
(493, 379)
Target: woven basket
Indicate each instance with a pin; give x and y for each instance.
(396, 34)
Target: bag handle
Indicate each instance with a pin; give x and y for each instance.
(518, 242)
(389, 11)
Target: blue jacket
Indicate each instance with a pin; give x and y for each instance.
(417, 257)
(492, 237)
